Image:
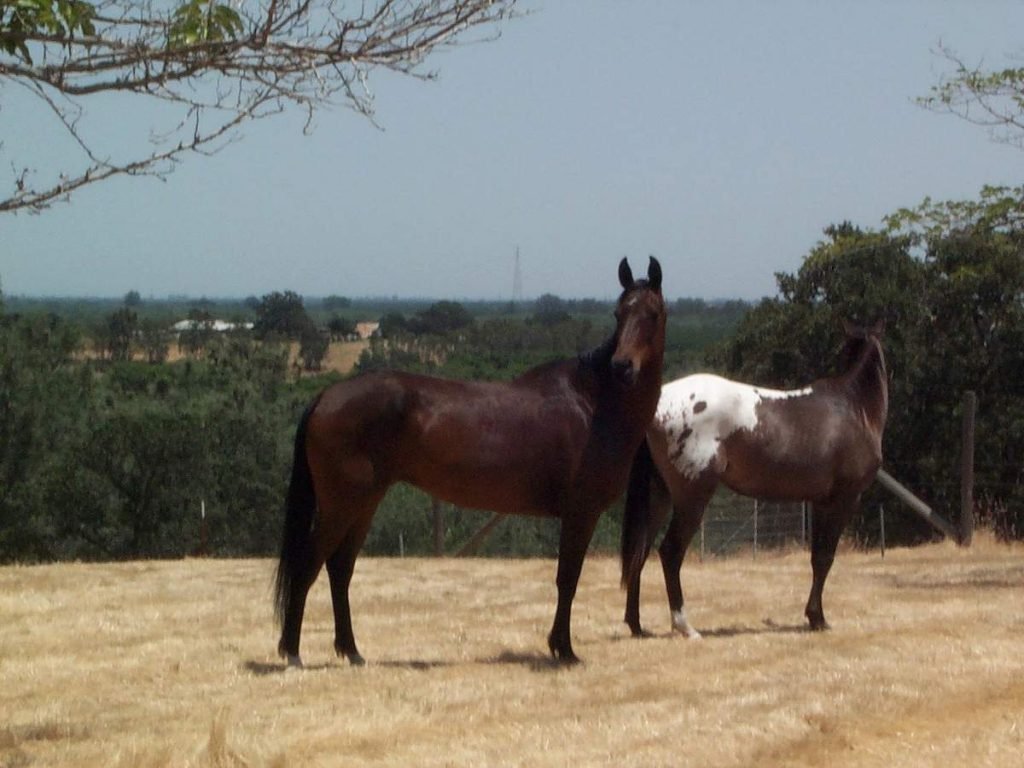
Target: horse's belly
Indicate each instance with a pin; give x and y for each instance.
(777, 482)
(491, 488)
(496, 473)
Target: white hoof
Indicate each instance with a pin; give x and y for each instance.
(683, 627)
(293, 662)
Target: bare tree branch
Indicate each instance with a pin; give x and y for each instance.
(221, 65)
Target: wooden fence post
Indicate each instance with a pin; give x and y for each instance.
(970, 407)
(891, 484)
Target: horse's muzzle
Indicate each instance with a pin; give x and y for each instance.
(624, 372)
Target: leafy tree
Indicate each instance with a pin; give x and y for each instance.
(340, 328)
(155, 339)
(40, 392)
(550, 309)
(211, 66)
(973, 339)
(392, 324)
(281, 315)
(440, 318)
(132, 299)
(121, 328)
(199, 334)
(147, 459)
(313, 346)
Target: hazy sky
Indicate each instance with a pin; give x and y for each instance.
(720, 136)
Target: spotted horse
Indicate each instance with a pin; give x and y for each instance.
(821, 443)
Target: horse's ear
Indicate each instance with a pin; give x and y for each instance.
(654, 274)
(625, 274)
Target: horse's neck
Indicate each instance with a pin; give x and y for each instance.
(868, 379)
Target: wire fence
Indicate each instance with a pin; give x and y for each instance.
(733, 524)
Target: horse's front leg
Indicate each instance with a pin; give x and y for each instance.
(827, 526)
(574, 538)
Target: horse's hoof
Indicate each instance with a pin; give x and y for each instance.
(820, 626)
(293, 661)
(640, 633)
(563, 654)
(355, 660)
(681, 625)
(569, 659)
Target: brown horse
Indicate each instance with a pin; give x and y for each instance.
(821, 444)
(556, 442)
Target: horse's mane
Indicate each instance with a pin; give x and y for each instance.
(599, 359)
(864, 372)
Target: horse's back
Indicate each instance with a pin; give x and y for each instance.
(697, 413)
(781, 444)
(493, 445)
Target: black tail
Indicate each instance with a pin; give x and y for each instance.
(300, 506)
(636, 518)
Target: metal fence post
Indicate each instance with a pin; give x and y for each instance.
(755, 528)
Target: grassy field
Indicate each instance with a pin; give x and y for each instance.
(172, 664)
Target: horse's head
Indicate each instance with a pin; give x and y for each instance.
(861, 342)
(640, 329)
(862, 364)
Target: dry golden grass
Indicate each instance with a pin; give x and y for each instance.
(168, 664)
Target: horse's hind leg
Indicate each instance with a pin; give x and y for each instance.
(298, 589)
(827, 526)
(660, 503)
(689, 503)
(340, 566)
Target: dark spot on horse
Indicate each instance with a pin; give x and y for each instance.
(685, 434)
(699, 407)
(693, 395)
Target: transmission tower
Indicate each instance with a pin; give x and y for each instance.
(517, 281)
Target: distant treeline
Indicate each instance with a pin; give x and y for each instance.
(115, 454)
